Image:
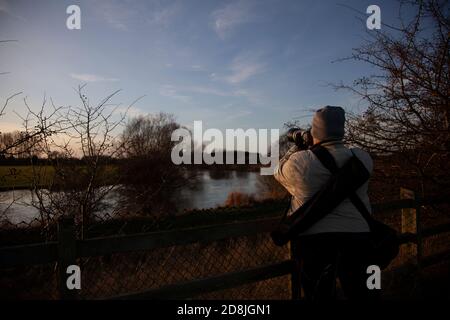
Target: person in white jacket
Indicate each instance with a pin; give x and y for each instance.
(334, 246)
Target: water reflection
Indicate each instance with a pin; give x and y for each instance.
(209, 189)
(220, 174)
(242, 174)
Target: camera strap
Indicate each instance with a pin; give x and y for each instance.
(328, 161)
(342, 183)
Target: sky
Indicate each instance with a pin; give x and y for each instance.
(231, 64)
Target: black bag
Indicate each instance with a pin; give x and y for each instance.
(384, 240)
(340, 185)
(385, 243)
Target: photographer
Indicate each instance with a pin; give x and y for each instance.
(334, 246)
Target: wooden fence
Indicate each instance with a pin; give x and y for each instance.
(67, 249)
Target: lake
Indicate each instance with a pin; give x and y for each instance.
(211, 191)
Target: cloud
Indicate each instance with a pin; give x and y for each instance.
(116, 14)
(205, 90)
(243, 67)
(164, 16)
(171, 92)
(183, 93)
(197, 67)
(6, 9)
(86, 77)
(238, 114)
(131, 111)
(253, 97)
(120, 15)
(228, 18)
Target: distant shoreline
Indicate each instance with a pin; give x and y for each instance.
(22, 179)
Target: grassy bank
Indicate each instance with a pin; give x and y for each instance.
(138, 224)
(120, 273)
(23, 177)
(26, 177)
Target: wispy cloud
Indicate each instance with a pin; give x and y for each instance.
(205, 90)
(238, 114)
(163, 16)
(120, 15)
(250, 95)
(86, 77)
(229, 17)
(197, 67)
(184, 93)
(172, 92)
(243, 67)
(116, 14)
(6, 9)
(4, 6)
(131, 111)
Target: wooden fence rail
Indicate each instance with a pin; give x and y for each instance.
(67, 249)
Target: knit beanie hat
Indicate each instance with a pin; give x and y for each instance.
(328, 123)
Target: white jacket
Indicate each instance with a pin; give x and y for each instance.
(302, 174)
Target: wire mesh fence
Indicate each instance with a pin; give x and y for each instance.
(119, 274)
(145, 270)
(29, 282)
(130, 272)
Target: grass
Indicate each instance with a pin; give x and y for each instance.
(23, 177)
(138, 224)
(104, 276)
(121, 273)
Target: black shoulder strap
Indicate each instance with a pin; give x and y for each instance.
(327, 160)
(357, 202)
(325, 157)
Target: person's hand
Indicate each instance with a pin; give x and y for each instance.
(291, 151)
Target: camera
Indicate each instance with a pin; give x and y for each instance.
(302, 138)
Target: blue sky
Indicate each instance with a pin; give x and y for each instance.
(231, 64)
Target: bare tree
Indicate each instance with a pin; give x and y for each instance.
(36, 128)
(408, 111)
(151, 180)
(89, 133)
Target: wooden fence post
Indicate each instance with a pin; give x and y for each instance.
(419, 228)
(296, 290)
(66, 255)
(409, 223)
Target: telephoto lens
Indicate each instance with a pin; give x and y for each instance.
(301, 138)
(292, 134)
